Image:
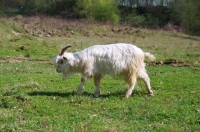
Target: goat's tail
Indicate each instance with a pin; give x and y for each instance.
(149, 56)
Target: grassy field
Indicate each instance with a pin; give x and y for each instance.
(34, 98)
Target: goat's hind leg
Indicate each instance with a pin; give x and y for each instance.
(132, 81)
(145, 78)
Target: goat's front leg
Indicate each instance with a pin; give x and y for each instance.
(80, 87)
(97, 79)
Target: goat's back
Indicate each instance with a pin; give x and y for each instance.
(113, 59)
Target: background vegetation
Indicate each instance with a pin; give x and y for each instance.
(139, 13)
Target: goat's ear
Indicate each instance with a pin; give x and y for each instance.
(71, 62)
(65, 58)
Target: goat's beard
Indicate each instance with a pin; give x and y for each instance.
(66, 75)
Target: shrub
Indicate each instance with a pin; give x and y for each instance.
(98, 10)
(186, 14)
(32, 7)
(1, 13)
(136, 21)
(103, 10)
(142, 20)
(151, 21)
(175, 12)
(83, 8)
(61, 7)
(190, 19)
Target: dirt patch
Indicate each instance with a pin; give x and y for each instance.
(15, 59)
(20, 59)
(173, 28)
(175, 63)
(16, 33)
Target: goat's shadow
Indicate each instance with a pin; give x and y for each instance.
(67, 94)
(46, 93)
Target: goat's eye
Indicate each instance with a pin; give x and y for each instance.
(61, 61)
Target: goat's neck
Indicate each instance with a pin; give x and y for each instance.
(77, 65)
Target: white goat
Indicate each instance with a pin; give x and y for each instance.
(120, 59)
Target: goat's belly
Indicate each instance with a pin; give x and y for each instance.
(110, 69)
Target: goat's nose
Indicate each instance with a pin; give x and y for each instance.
(58, 70)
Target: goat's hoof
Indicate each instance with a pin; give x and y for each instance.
(127, 96)
(151, 94)
(78, 92)
(96, 95)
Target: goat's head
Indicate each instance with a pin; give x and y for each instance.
(60, 61)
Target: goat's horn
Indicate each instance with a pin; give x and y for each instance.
(63, 50)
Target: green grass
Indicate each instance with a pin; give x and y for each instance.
(34, 98)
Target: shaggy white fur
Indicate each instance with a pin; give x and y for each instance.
(120, 59)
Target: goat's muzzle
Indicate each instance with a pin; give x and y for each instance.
(59, 71)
